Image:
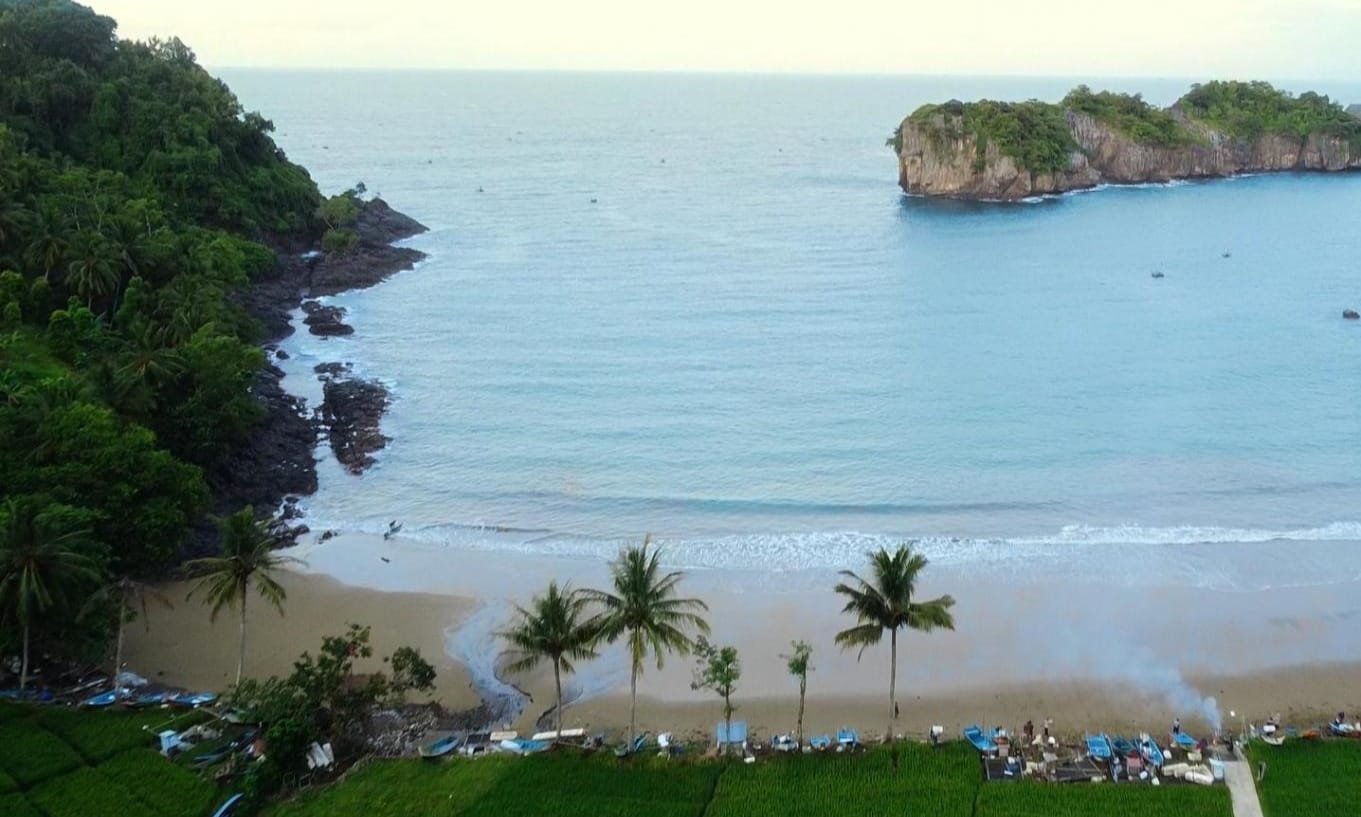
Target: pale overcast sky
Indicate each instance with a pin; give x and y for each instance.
(1181, 38)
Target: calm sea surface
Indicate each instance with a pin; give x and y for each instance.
(700, 306)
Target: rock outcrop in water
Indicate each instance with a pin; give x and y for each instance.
(998, 151)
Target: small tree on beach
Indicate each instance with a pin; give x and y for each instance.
(44, 560)
(799, 663)
(556, 628)
(718, 669)
(886, 603)
(130, 598)
(247, 555)
(645, 610)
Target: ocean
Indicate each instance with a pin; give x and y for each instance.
(700, 307)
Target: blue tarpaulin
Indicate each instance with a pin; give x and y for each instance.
(738, 733)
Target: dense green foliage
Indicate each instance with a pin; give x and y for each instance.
(1035, 134)
(133, 192)
(1305, 778)
(1249, 109)
(1129, 114)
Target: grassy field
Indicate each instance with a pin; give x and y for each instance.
(58, 762)
(941, 783)
(1309, 778)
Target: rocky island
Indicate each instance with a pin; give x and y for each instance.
(1007, 151)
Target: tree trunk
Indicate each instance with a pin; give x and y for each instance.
(118, 650)
(23, 667)
(727, 721)
(803, 688)
(557, 682)
(633, 704)
(892, 682)
(241, 658)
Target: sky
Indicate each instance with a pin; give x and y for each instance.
(1278, 39)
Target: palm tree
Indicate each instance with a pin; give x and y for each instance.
(130, 598)
(886, 604)
(90, 273)
(644, 608)
(42, 563)
(247, 554)
(555, 627)
(799, 663)
(48, 245)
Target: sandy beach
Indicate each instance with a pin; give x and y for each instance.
(1018, 653)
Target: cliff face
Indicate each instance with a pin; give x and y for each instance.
(940, 159)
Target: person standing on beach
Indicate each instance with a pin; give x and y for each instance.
(1176, 726)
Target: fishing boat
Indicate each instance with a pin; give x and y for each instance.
(146, 700)
(1098, 747)
(228, 807)
(1273, 740)
(441, 747)
(820, 742)
(1122, 747)
(847, 737)
(192, 700)
(102, 700)
(1148, 747)
(524, 746)
(982, 742)
(566, 734)
(1184, 741)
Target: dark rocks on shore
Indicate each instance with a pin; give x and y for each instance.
(278, 459)
(1351, 314)
(352, 411)
(325, 321)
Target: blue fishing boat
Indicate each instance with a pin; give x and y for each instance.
(1184, 741)
(1148, 747)
(847, 737)
(820, 742)
(192, 701)
(982, 742)
(441, 747)
(1122, 747)
(525, 746)
(1098, 747)
(226, 808)
(102, 700)
(146, 700)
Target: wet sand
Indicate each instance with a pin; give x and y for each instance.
(1086, 656)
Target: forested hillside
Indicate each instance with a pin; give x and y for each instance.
(135, 197)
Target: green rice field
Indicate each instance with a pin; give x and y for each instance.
(57, 762)
(1309, 778)
(928, 783)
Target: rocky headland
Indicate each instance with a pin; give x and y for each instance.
(1008, 151)
(278, 464)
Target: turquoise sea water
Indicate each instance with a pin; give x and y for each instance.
(700, 306)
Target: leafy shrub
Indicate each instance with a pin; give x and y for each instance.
(30, 754)
(1250, 109)
(339, 240)
(171, 791)
(1034, 134)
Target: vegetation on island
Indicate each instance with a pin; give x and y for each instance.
(1247, 110)
(1037, 135)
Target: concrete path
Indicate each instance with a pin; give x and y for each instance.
(1238, 774)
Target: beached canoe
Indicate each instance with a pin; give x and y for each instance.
(192, 701)
(524, 746)
(228, 807)
(146, 700)
(981, 742)
(102, 700)
(441, 747)
(1098, 747)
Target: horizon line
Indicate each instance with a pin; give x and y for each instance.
(751, 73)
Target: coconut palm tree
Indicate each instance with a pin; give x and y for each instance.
(43, 562)
(130, 598)
(887, 603)
(90, 273)
(48, 244)
(247, 556)
(799, 663)
(643, 608)
(556, 628)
